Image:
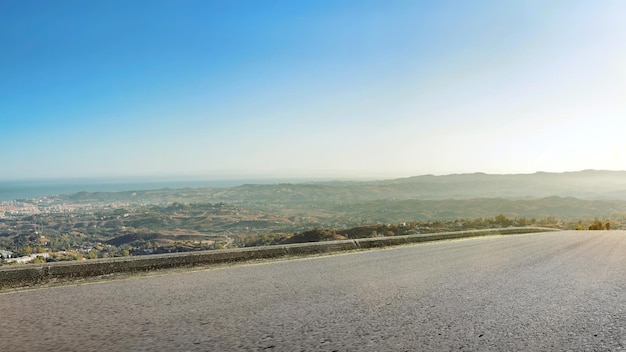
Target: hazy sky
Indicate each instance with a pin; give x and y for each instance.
(310, 88)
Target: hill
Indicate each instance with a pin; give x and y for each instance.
(588, 184)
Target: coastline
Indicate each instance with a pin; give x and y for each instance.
(17, 190)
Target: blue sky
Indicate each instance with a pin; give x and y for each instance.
(310, 88)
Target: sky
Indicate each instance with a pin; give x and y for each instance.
(347, 89)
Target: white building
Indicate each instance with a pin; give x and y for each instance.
(28, 258)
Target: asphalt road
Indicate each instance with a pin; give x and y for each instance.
(537, 292)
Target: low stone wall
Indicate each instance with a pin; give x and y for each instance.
(32, 274)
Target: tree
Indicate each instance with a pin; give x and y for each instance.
(598, 225)
(502, 220)
(92, 254)
(38, 260)
(523, 221)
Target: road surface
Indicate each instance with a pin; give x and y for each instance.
(536, 292)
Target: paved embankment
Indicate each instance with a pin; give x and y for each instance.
(30, 274)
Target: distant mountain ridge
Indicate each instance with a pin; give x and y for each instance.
(587, 184)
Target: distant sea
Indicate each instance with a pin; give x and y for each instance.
(12, 190)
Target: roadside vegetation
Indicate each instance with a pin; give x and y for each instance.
(47, 241)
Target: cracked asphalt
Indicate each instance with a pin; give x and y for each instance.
(549, 291)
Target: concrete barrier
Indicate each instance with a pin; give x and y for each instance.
(33, 274)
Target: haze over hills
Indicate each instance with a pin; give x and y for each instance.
(569, 195)
(587, 184)
(588, 193)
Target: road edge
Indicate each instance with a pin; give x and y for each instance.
(36, 274)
